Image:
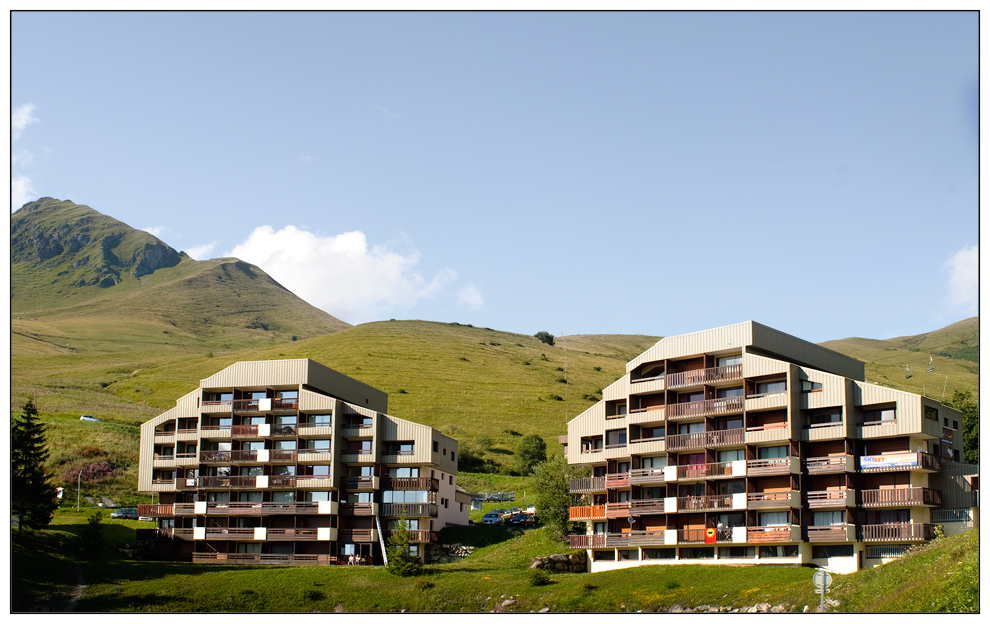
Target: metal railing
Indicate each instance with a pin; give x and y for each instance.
(825, 465)
(769, 500)
(704, 376)
(829, 498)
(717, 502)
(900, 531)
(899, 497)
(587, 512)
(588, 484)
(688, 472)
(643, 476)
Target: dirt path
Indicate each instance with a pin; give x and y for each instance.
(78, 591)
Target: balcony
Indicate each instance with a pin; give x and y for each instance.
(827, 499)
(257, 405)
(210, 432)
(224, 508)
(897, 532)
(230, 457)
(900, 497)
(648, 538)
(156, 511)
(359, 483)
(250, 431)
(281, 481)
(832, 533)
(771, 467)
(656, 413)
(772, 432)
(228, 534)
(642, 476)
(773, 500)
(617, 480)
(766, 401)
(617, 510)
(358, 430)
(419, 536)
(829, 465)
(717, 502)
(894, 462)
(234, 482)
(260, 559)
(357, 535)
(704, 376)
(702, 439)
(587, 513)
(587, 485)
(411, 483)
(699, 472)
(691, 536)
(292, 535)
(409, 510)
(771, 534)
(646, 506)
(358, 509)
(708, 407)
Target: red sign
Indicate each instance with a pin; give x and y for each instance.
(709, 536)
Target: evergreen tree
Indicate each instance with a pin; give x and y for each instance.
(400, 561)
(32, 496)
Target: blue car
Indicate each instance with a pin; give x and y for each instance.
(492, 517)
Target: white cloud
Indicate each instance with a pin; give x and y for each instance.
(386, 112)
(471, 297)
(341, 274)
(21, 118)
(21, 191)
(155, 230)
(964, 273)
(201, 252)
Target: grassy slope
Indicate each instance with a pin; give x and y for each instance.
(938, 577)
(886, 359)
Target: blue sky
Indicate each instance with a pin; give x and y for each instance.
(576, 173)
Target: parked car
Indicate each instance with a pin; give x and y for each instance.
(128, 514)
(519, 519)
(531, 509)
(491, 518)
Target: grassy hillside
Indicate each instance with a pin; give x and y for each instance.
(941, 576)
(954, 353)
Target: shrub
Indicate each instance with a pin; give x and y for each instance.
(556, 397)
(532, 450)
(561, 380)
(598, 369)
(484, 441)
(544, 337)
(539, 577)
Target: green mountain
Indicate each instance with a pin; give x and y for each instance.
(933, 364)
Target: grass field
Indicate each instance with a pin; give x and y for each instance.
(942, 576)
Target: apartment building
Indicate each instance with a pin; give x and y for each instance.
(746, 445)
(291, 462)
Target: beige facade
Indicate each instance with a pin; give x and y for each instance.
(291, 462)
(743, 444)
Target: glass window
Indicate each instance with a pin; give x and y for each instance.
(771, 387)
(600, 527)
(359, 497)
(829, 518)
(322, 470)
(931, 413)
(659, 553)
(729, 360)
(283, 497)
(787, 550)
(317, 496)
(880, 416)
(285, 445)
(655, 462)
(253, 548)
(725, 393)
(252, 471)
(810, 386)
(319, 444)
(286, 394)
(725, 488)
(697, 553)
(411, 524)
(733, 455)
(737, 552)
(775, 518)
(323, 419)
(615, 437)
(824, 418)
(284, 470)
(831, 550)
(629, 555)
(695, 427)
(772, 452)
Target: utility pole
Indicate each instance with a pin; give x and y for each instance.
(78, 490)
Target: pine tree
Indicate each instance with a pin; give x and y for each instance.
(400, 561)
(32, 496)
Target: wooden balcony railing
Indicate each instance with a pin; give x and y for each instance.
(704, 376)
(588, 484)
(768, 534)
(617, 480)
(830, 498)
(587, 512)
(826, 465)
(617, 510)
(409, 510)
(411, 483)
(828, 533)
(311, 425)
(156, 511)
(708, 407)
(645, 379)
(295, 535)
(701, 439)
(283, 455)
(763, 467)
(899, 497)
(281, 481)
(718, 502)
(900, 461)
(691, 536)
(646, 506)
(254, 405)
(262, 558)
(653, 537)
(223, 533)
(224, 508)
(420, 536)
(644, 476)
(769, 500)
(356, 535)
(284, 429)
(356, 509)
(164, 433)
(901, 531)
(358, 483)
(691, 472)
(228, 482)
(244, 431)
(227, 457)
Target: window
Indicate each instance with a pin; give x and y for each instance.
(774, 518)
(829, 518)
(603, 555)
(880, 416)
(615, 437)
(729, 360)
(771, 387)
(697, 553)
(286, 394)
(737, 552)
(823, 418)
(436, 446)
(401, 473)
(405, 496)
(629, 555)
(283, 497)
(931, 413)
(733, 455)
(592, 444)
(411, 524)
(656, 463)
(727, 393)
(322, 470)
(361, 471)
(319, 444)
(285, 470)
(770, 552)
(253, 548)
(360, 497)
(252, 471)
(651, 433)
(772, 452)
(727, 488)
(659, 553)
(696, 427)
(599, 528)
(832, 550)
(453, 456)
(285, 445)
(322, 419)
(955, 424)
(810, 386)
(317, 496)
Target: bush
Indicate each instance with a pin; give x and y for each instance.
(484, 441)
(91, 537)
(544, 337)
(539, 577)
(532, 450)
